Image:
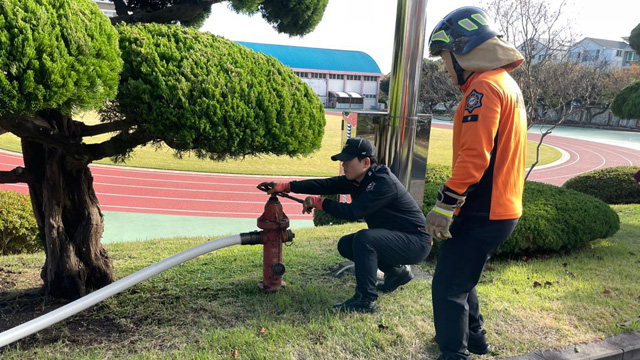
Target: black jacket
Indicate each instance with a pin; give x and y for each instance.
(380, 199)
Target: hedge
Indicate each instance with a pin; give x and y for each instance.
(18, 227)
(614, 185)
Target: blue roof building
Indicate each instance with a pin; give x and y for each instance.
(340, 78)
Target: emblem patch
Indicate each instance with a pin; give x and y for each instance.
(474, 101)
(370, 186)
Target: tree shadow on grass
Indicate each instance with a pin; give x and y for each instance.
(169, 307)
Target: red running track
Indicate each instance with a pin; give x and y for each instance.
(171, 192)
(197, 194)
(581, 156)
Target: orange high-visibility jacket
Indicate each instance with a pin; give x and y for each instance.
(489, 146)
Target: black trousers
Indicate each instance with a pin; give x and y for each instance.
(460, 264)
(383, 249)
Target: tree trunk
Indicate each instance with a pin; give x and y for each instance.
(68, 215)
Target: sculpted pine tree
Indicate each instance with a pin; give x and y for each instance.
(193, 91)
(627, 103)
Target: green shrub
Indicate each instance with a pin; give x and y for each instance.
(18, 228)
(436, 176)
(554, 219)
(558, 220)
(627, 103)
(614, 185)
(321, 218)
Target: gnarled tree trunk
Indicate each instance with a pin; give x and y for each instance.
(68, 215)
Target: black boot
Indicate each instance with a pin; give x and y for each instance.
(478, 342)
(357, 304)
(395, 278)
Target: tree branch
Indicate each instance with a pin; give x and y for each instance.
(35, 128)
(17, 175)
(104, 128)
(117, 145)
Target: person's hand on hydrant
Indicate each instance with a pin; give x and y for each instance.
(274, 187)
(312, 202)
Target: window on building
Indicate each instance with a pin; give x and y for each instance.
(318, 76)
(618, 53)
(353, 77)
(369, 96)
(632, 56)
(370, 78)
(302, 74)
(336, 76)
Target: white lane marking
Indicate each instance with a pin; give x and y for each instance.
(187, 199)
(578, 172)
(195, 211)
(173, 198)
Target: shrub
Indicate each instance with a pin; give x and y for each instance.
(554, 219)
(436, 176)
(18, 228)
(614, 185)
(321, 218)
(557, 220)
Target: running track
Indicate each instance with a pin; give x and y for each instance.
(196, 194)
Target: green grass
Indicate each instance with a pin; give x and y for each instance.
(211, 306)
(316, 164)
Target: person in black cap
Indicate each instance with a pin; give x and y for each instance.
(396, 235)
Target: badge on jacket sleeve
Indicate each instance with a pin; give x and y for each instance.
(370, 186)
(474, 101)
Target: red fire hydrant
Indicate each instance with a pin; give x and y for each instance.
(274, 223)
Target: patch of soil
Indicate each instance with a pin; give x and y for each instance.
(88, 328)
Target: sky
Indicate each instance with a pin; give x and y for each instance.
(368, 25)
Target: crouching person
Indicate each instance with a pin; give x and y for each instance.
(395, 237)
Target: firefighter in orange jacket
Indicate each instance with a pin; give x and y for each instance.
(479, 206)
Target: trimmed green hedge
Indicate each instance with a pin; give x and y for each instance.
(614, 185)
(557, 220)
(554, 219)
(18, 227)
(321, 218)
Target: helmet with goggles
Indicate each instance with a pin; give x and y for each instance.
(461, 31)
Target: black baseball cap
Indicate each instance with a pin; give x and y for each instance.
(356, 146)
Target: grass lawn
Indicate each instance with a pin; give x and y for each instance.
(316, 164)
(211, 308)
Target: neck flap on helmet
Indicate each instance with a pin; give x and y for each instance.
(459, 71)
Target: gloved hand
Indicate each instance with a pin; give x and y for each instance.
(283, 187)
(311, 202)
(440, 217)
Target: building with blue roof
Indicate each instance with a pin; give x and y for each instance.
(341, 78)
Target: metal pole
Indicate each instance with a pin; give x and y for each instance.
(397, 140)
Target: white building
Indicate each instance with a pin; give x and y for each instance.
(342, 79)
(107, 7)
(595, 51)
